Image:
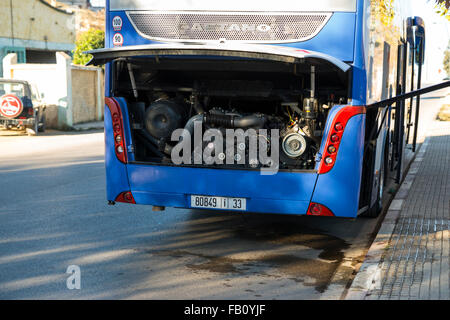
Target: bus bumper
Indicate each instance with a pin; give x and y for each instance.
(285, 192)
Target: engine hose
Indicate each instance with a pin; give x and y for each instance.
(188, 132)
(310, 124)
(296, 109)
(149, 137)
(231, 121)
(198, 107)
(155, 143)
(249, 121)
(189, 127)
(149, 145)
(220, 120)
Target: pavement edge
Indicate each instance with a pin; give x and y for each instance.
(368, 276)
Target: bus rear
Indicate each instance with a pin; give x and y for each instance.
(245, 105)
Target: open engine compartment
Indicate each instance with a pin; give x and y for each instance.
(166, 94)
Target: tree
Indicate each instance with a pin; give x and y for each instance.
(447, 60)
(384, 11)
(446, 3)
(443, 8)
(89, 40)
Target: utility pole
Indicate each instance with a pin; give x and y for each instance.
(12, 21)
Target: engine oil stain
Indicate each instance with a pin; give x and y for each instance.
(295, 234)
(289, 265)
(213, 264)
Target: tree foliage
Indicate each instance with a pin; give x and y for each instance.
(384, 11)
(447, 60)
(443, 8)
(446, 3)
(89, 40)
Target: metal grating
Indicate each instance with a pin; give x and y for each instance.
(230, 27)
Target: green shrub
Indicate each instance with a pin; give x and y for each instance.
(89, 40)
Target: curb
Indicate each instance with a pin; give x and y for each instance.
(368, 276)
(87, 127)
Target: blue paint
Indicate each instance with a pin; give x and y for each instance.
(108, 25)
(335, 39)
(131, 37)
(359, 87)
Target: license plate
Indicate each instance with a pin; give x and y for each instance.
(224, 203)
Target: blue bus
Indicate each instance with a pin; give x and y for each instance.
(328, 88)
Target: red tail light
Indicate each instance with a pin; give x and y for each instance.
(335, 136)
(126, 197)
(30, 111)
(316, 209)
(117, 124)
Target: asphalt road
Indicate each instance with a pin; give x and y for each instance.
(53, 214)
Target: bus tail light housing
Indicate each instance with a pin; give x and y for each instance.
(335, 134)
(117, 125)
(316, 209)
(126, 197)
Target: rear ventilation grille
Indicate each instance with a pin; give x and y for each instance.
(268, 28)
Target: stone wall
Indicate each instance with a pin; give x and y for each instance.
(85, 93)
(35, 20)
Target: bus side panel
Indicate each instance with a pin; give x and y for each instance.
(116, 171)
(359, 86)
(108, 26)
(284, 192)
(339, 189)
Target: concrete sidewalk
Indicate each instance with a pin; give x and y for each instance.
(409, 259)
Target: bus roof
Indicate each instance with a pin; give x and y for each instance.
(236, 5)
